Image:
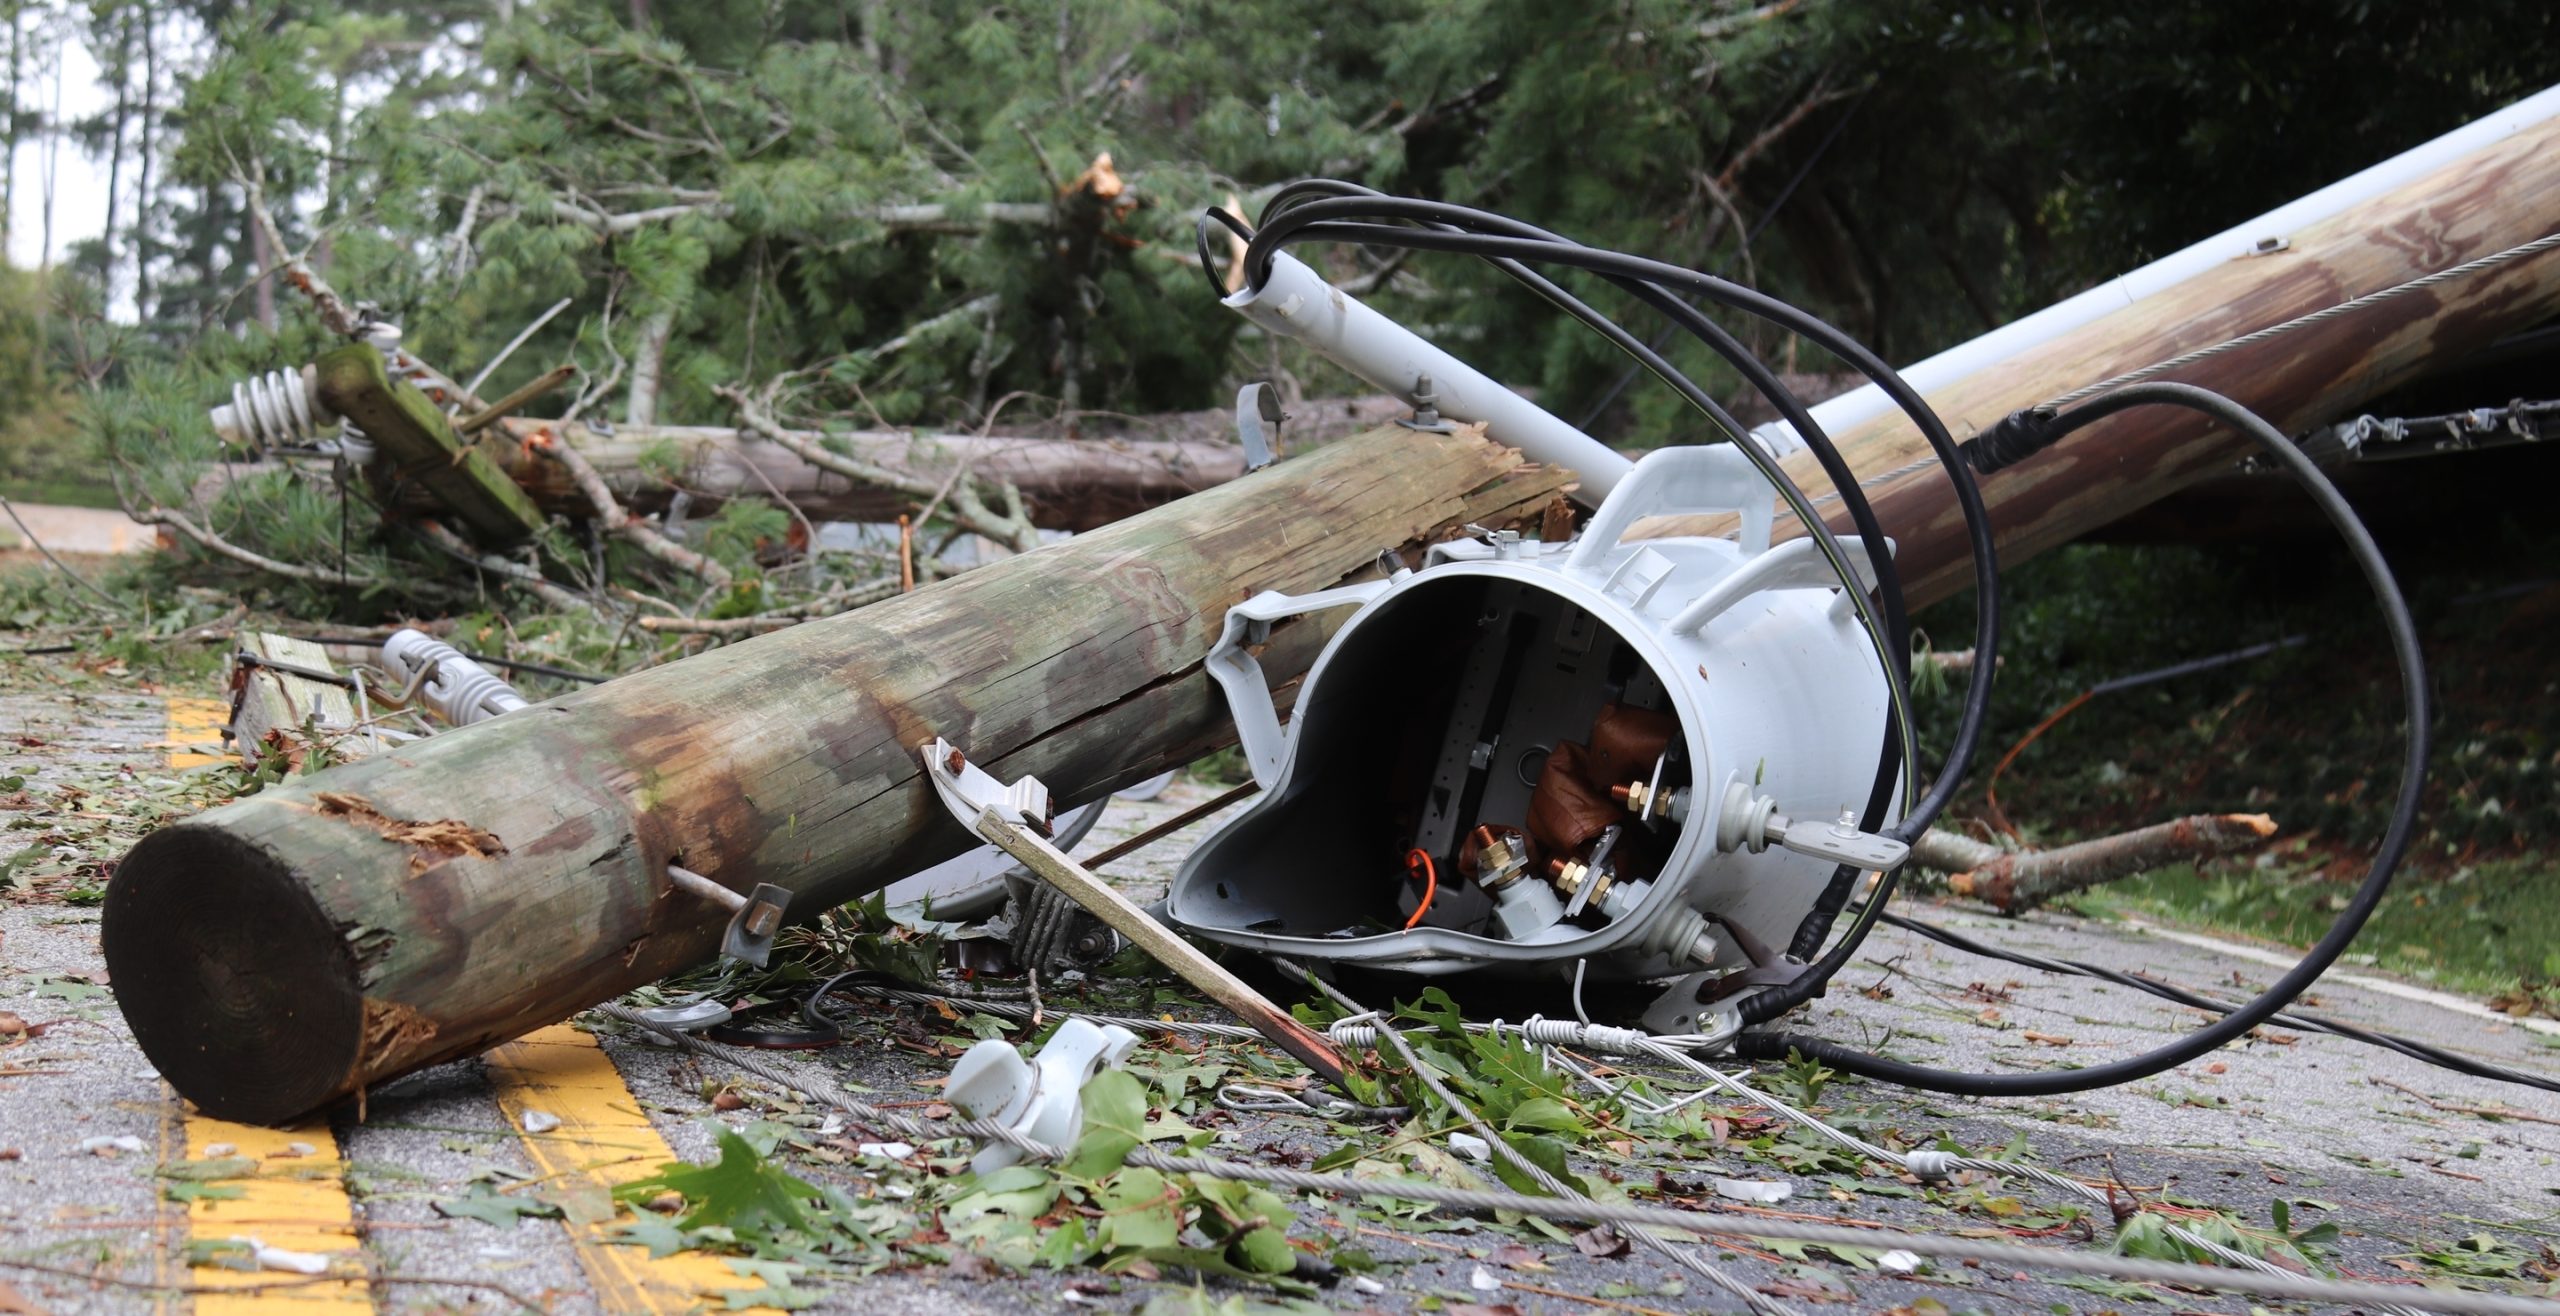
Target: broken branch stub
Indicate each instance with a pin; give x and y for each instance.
(273, 956)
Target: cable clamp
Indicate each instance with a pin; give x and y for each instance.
(2019, 435)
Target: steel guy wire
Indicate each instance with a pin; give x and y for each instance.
(2305, 1288)
(2522, 251)
(1549, 1034)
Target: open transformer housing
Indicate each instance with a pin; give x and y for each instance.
(1579, 752)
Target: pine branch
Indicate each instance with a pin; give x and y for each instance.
(207, 539)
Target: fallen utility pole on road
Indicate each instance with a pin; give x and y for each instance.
(329, 934)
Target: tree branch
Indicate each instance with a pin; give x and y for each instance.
(1012, 528)
(208, 540)
(921, 217)
(334, 310)
(619, 521)
(2014, 882)
(522, 577)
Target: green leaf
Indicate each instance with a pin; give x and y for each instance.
(661, 1237)
(1339, 1157)
(1139, 1210)
(1210, 1262)
(1017, 1190)
(1545, 1113)
(1263, 1251)
(490, 1207)
(742, 1190)
(1545, 1153)
(206, 1171)
(1070, 1244)
(1115, 1121)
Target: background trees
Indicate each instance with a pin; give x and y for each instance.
(941, 213)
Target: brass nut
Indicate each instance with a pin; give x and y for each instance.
(1569, 876)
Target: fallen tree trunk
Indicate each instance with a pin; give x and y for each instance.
(302, 945)
(2015, 881)
(1066, 483)
(2468, 204)
(1120, 465)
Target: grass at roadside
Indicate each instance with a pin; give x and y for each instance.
(2490, 931)
(2309, 735)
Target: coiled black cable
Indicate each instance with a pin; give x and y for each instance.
(2403, 632)
(1312, 221)
(1895, 758)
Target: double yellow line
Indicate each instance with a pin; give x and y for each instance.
(299, 1202)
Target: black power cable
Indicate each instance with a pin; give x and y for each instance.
(1312, 221)
(2310, 1023)
(1315, 220)
(1300, 226)
(1895, 756)
(2396, 836)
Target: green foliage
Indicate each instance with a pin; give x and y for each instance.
(40, 442)
(742, 1192)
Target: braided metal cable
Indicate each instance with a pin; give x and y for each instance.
(2305, 1288)
(1938, 1165)
(1535, 1173)
(2157, 368)
(2494, 259)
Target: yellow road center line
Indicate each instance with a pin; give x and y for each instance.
(297, 1202)
(603, 1140)
(194, 725)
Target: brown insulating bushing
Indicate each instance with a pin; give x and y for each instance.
(1625, 742)
(1566, 810)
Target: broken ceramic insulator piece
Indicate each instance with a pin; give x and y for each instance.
(1041, 1098)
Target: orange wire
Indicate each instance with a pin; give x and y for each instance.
(1991, 788)
(1414, 859)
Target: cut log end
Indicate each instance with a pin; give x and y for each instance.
(237, 985)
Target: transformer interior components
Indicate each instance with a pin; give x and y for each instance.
(1049, 932)
(991, 809)
(1040, 1098)
(1535, 718)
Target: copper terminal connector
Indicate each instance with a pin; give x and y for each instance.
(1495, 856)
(1569, 875)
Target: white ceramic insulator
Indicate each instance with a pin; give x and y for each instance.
(272, 410)
(355, 445)
(1040, 1098)
(461, 691)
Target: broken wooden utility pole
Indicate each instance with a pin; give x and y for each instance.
(2482, 190)
(420, 445)
(297, 947)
